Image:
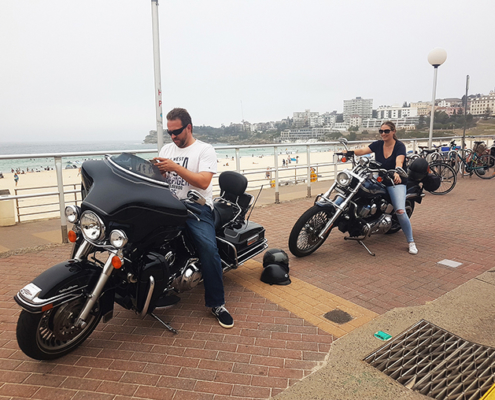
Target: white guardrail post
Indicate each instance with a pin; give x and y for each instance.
(275, 156)
(308, 172)
(60, 184)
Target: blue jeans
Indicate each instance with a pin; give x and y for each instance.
(202, 234)
(397, 194)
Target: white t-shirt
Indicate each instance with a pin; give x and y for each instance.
(198, 157)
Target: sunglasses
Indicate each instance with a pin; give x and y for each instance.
(177, 132)
(384, 131)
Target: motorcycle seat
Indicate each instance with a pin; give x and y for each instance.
(232, 201)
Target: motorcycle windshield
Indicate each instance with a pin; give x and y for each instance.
(138, 166)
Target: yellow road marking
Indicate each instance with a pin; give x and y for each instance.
(303, 299)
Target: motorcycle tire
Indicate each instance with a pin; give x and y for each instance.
(52, 334)
(304, 239)
(395, 222)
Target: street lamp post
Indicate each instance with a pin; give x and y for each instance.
(158, 81)
(436, 57)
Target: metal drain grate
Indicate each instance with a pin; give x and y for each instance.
(437, 363)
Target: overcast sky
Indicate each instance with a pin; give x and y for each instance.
(73, 70)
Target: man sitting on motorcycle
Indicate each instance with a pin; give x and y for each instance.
(188, 164)
(391, 153)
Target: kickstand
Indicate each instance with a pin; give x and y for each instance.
(169, 327)
(362, 244)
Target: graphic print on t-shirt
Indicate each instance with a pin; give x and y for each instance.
(176, 182)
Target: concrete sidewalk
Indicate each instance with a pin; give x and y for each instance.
(281, 346)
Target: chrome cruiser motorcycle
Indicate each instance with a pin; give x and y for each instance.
(130, 248)
(357, 203)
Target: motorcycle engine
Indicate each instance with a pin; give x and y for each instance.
(189, 278)
(381, 225)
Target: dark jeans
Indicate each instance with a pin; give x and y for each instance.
(202, 234)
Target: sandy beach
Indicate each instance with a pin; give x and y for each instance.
(260, 170)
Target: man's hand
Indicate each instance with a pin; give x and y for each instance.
(165, 165)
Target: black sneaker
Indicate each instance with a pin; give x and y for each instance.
(224, 318)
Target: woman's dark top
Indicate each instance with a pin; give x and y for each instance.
(389, 163)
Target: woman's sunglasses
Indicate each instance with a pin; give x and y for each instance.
(384, 131)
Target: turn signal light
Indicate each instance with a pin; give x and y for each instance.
(379, 179)
(72, 236)
(344, 159)
(116, 262)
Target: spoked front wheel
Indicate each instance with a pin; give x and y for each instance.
(448, 177)
(484, 166)
(305, 237)
(53, 333)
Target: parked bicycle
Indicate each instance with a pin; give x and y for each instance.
(479, 160)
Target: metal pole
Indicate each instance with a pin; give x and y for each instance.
(237, 160)
(435, 69)
(463, 143)
(60, 184)
(277, 194)
(158, 80)
(308, 172)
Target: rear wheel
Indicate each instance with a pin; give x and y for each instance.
(395, 222)
(484, 166)
(448, 177)
(53, 334)
(304, 238)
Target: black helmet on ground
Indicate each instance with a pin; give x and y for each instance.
(276, 256)
(275, 274)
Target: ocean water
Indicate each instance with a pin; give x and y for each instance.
(40, 164)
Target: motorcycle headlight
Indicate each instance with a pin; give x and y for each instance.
(92, 226)
(72, 213)
(118, 239)
(343, 179)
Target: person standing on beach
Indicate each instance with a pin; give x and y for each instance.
(390, 152)
(187, 164)
(16, 178)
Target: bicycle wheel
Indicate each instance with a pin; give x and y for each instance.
(453, 159)
(448, 177)
(484, 166)
(436, 157)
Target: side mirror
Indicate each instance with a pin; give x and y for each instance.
(196, 197)
(401, 172)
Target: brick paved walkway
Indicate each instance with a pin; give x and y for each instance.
(279, 336)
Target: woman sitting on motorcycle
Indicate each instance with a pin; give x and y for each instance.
(391, 153)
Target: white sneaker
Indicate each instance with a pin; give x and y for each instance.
(412, 248)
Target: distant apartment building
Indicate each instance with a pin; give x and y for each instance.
(304, 134)
(422, 108)
(358, 106)
(480, 105)
(407, 123)
(302, 119)
(355, 120)
(391, 112)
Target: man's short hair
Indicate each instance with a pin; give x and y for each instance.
(182, 114)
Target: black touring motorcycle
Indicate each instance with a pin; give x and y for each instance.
(357, 203)
(130, 248)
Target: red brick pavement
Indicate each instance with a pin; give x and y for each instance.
(269, 348)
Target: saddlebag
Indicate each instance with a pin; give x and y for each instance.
(240, 243)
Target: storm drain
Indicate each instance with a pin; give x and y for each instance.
(437, 363)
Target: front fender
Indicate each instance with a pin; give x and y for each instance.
(59, 284)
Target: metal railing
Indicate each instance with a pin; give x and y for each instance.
(296, 173)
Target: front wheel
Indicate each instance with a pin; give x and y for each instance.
(53, 334)
(304, 238)
(484, 166)
(395, 221)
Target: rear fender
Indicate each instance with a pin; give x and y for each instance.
(60, 284)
